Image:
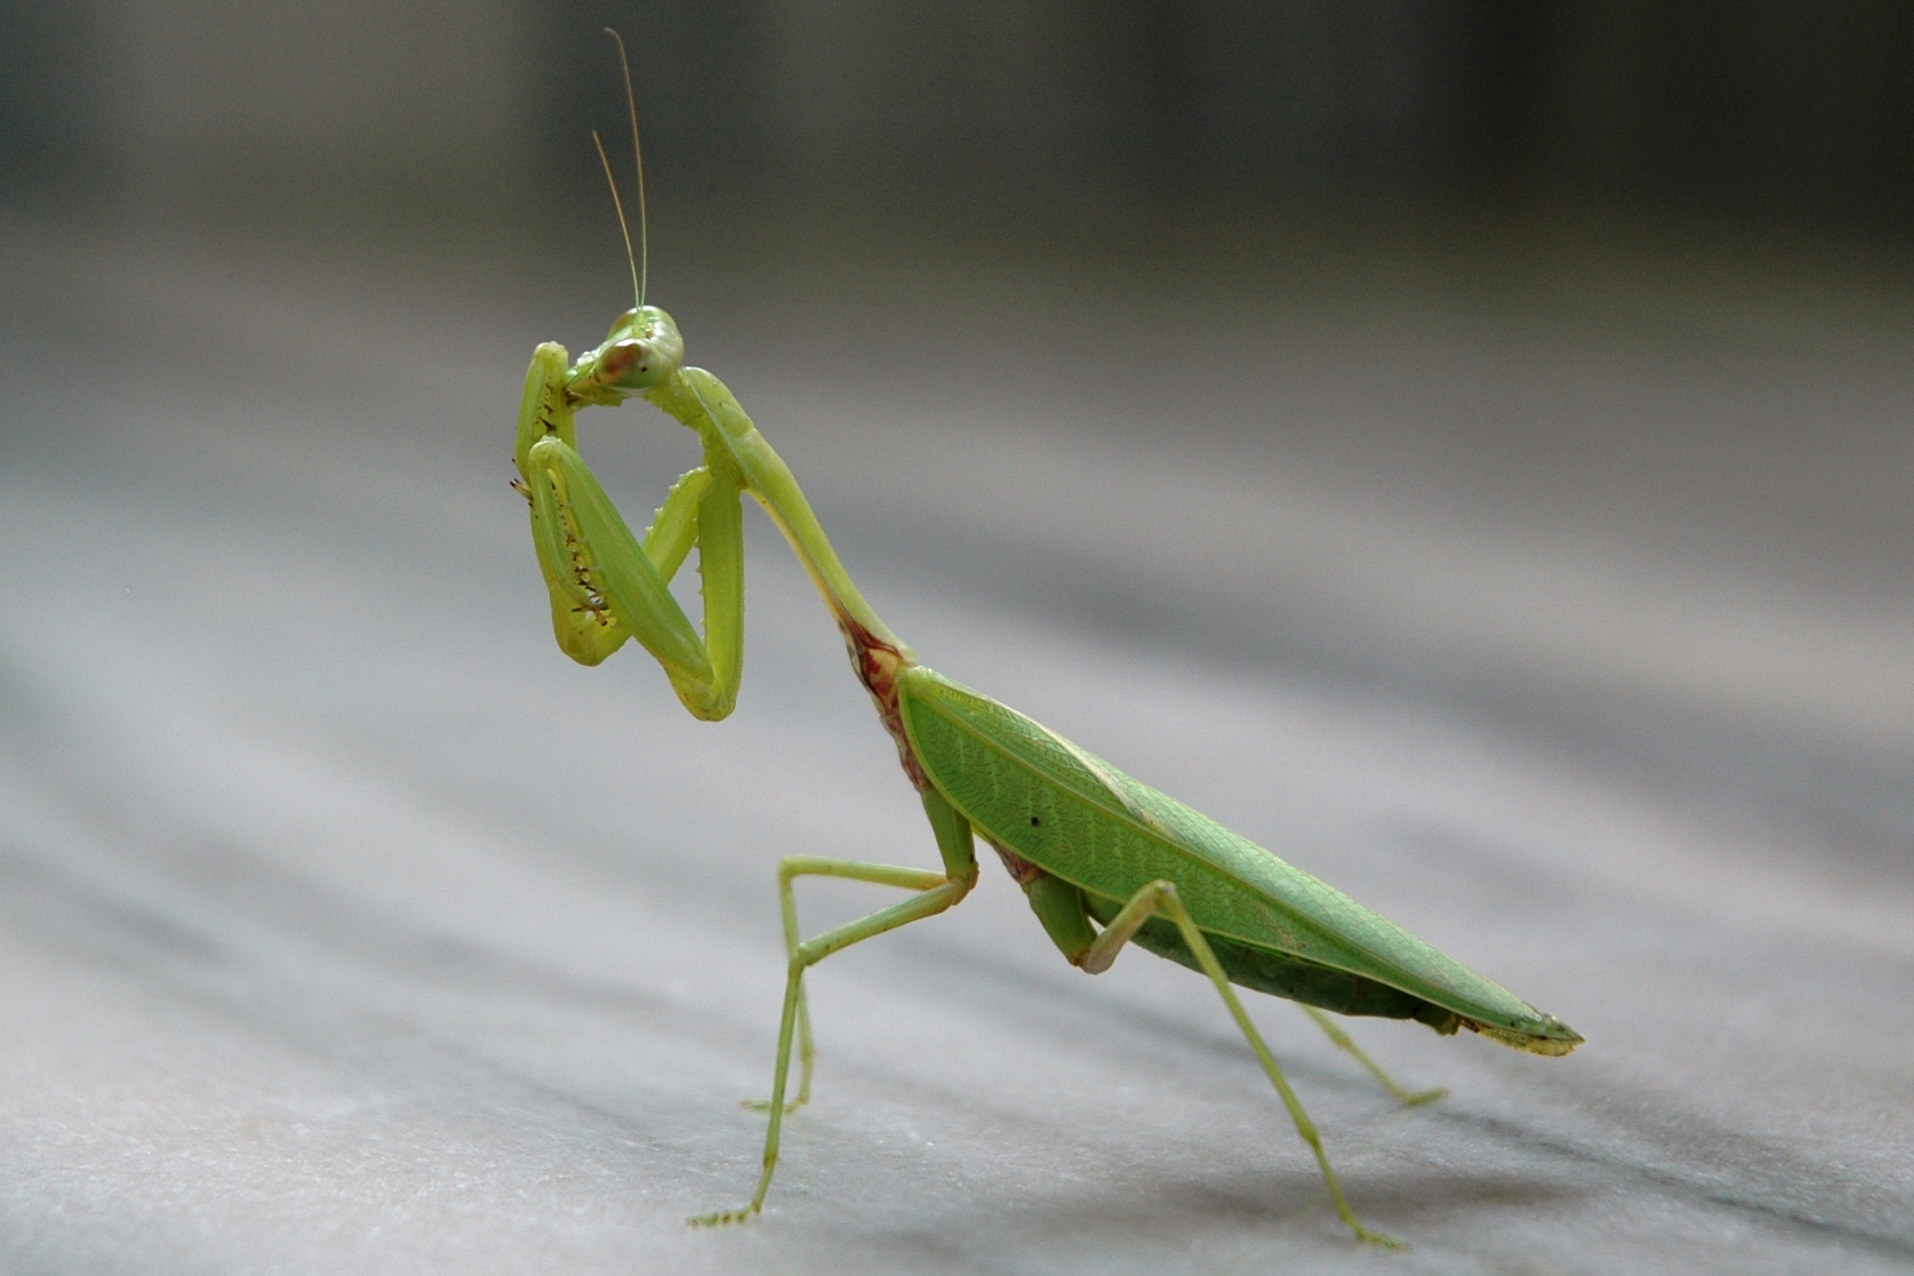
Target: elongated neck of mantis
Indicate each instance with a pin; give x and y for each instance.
(701, 401)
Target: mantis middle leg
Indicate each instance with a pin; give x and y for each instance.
(792, 867)
(936, 892)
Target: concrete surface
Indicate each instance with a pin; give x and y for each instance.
(347, 927)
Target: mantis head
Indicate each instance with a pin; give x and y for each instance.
(642, 349)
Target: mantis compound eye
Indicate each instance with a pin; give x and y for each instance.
(629, 364)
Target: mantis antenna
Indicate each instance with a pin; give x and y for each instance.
(637, 288)
(638, 153)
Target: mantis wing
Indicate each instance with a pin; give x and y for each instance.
(1078, 818)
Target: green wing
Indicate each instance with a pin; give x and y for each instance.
(1080, 819)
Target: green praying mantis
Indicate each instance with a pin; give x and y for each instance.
(1104, 860)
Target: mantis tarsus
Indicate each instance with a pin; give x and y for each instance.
(1104, 860)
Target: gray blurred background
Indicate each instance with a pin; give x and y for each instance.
(1770, 116)
(1465, 447)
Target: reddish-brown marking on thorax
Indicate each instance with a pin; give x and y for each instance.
(1021, 870)
(877, 664)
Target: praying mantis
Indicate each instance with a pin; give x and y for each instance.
(1104, 860)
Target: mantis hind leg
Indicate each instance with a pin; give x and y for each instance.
(1407, 1098)
(1160, 897)
(936, 892)
(1062, 908)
